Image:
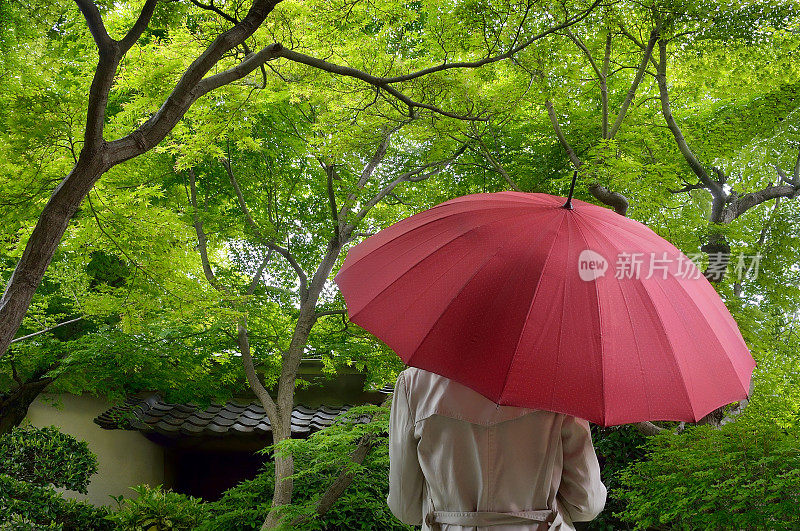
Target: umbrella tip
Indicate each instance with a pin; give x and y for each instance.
(568, 204)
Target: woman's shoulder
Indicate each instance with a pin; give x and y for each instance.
(432, 394)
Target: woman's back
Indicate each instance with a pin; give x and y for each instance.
(457, 457)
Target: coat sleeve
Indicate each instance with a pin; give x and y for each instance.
(405, 475)
(581, 492)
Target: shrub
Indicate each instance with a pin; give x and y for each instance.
(32, 462)
(742, 476)
(318, 461)
(28, 506)
(159, 510)
(45, 456)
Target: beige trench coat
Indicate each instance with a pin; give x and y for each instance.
(457, 459)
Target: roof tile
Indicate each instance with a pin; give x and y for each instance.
(153, 415)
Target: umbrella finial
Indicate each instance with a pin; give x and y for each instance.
(568, 204)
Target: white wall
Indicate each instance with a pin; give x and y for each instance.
(125, 458)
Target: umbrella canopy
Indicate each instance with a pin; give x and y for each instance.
(580, 311)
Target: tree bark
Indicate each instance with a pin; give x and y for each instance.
(14, 405)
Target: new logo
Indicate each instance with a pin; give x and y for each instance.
(591, 265)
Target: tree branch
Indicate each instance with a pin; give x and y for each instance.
(580, 44)
(613, 199)
(493, 59)
(330, 172)
(138, 27)
(368, 171)
(253, 381)
(380, 82)
(202, 239)
(193, 84)
(635, 84)
(45, 330)
(497, 166)
(97, 28)
(259, 273)
(301, 275)
(747, 201)
(698, 169)
(688, 188)
(420, 174)
(573, 157)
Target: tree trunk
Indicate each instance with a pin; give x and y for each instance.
(14, 405)
(284, 468)
(44, 241)
(284, 465)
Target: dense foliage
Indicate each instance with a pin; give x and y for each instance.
(223, 225)
(32, 462)
(159, 510)
(743, 476)
(45, 456)
(320, 460)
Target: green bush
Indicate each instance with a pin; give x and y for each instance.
(32, 462)
(616, 448)
(159, 510)
(28, 506)
(45, 456)
(743, 476)
(318, 461)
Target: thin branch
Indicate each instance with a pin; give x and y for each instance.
(368, 171)
(573, 157)
(419, 174)
(635, 84)
(380, 82)
(259, 273)
(698, 169)
(580, 44)
(202, 239)
(215, 9)
(301, 275)
(138, 27)
(688, 188)
(497, 166)
(44, 331)
(493, 59)
(330, 312)
(330, 172)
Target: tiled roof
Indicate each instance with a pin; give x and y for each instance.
(151, 415)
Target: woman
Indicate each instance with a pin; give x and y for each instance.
(458, 461)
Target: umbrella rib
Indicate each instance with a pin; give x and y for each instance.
(717, 340)
(530, 307)
(560, 330)
(666, 335)
(425, 224)
(715, 335)
(728, 324)
(463, 287)
(433, 252)
(600, 329)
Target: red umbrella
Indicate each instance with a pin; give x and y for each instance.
(579, 311)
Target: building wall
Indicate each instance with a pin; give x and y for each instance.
(125, 458)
